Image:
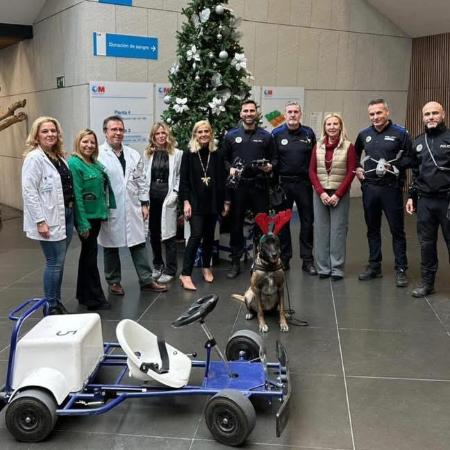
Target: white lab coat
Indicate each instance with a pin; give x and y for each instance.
(43, 197)
(169, 207)
(125, 225)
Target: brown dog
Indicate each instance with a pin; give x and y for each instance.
(266, 291)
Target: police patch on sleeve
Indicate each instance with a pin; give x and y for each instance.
(238, 140)
(284, 142)
(419, 148)
(368, 138)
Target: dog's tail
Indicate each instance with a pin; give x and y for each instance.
(241, 298)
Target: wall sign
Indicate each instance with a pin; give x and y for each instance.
(118, 2)
(273, 102)
(131, 101)
(125, 46)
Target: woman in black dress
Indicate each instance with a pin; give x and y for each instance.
(202, 190)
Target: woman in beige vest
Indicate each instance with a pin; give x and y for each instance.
(331, 171)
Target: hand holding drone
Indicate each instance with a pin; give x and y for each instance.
(239, 165)
(383, 166)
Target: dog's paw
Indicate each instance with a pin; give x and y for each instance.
(249, 316)
(284, 327)
(263, 328)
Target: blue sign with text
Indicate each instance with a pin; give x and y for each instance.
(125, 46)
(118, 2)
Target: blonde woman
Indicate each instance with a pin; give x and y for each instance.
(162, 163)
(331, 170)
(93, 198)
(202, 190)
(48, 199)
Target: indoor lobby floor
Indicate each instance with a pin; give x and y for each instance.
(371, 371)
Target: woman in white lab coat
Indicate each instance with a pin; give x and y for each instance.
(48, 201)
(162, 168)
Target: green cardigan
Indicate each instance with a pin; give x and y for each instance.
(92, 191)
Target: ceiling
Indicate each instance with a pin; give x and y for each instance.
(414, 17)
(17, 12)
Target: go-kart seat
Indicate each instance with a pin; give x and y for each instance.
(150, 358)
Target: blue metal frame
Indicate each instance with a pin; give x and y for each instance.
(250, 378)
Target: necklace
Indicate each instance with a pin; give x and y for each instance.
(205, 178)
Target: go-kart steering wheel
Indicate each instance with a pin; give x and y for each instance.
(197, 311)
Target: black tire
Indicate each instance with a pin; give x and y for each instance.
(31, 415)
(230, 417)
(246, 341)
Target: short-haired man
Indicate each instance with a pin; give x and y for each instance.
(387, 147)
(125, 226)
(430, 190)
(248, 142)
(294, 143)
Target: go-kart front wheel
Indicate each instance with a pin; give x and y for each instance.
(230, 417)
(31, 415)
(245, 344)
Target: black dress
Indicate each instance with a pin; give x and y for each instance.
(202, 183)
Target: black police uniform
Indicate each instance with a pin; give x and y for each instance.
(384, 194)
(431, 189)
(252, 192)
(294, 154)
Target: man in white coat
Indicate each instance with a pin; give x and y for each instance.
(125, 226)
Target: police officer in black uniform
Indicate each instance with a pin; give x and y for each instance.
(294, 143)
(381, 184)
(249, 143)
(430, 191)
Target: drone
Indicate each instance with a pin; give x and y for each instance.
(383, 166)
(239, 164)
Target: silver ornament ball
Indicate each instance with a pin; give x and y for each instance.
(167, 99)
(219, 36)
(223, 55)
(169, 120)
(197, 78)
(219, 10)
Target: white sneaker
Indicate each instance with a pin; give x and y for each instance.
(156, 274)
(164, 278)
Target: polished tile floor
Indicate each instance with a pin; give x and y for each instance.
(372, 370)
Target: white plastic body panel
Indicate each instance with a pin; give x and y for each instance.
(71, 344)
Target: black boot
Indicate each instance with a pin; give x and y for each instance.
(423, 291)
(235, 269)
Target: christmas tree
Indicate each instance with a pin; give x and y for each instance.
(208, 81)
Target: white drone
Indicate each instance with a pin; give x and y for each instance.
(383, 166)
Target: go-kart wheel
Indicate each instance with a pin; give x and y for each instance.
(31, 415)
(230, 417)
(245, 344)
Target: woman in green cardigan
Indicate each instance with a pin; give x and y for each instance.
(93, 198)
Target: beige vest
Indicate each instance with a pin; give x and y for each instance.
(338, 170)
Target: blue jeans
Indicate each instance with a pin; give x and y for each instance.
(55, 254)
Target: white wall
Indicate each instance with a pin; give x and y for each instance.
(342, 52)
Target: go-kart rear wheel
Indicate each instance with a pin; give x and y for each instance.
(230, 417)
(245, 344)
(31, 415)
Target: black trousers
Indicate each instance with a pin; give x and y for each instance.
(170, 267)
(376, 200)
(300, 192)
(245, 197)
(89, 287)
(431, 212)
(202, 230)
